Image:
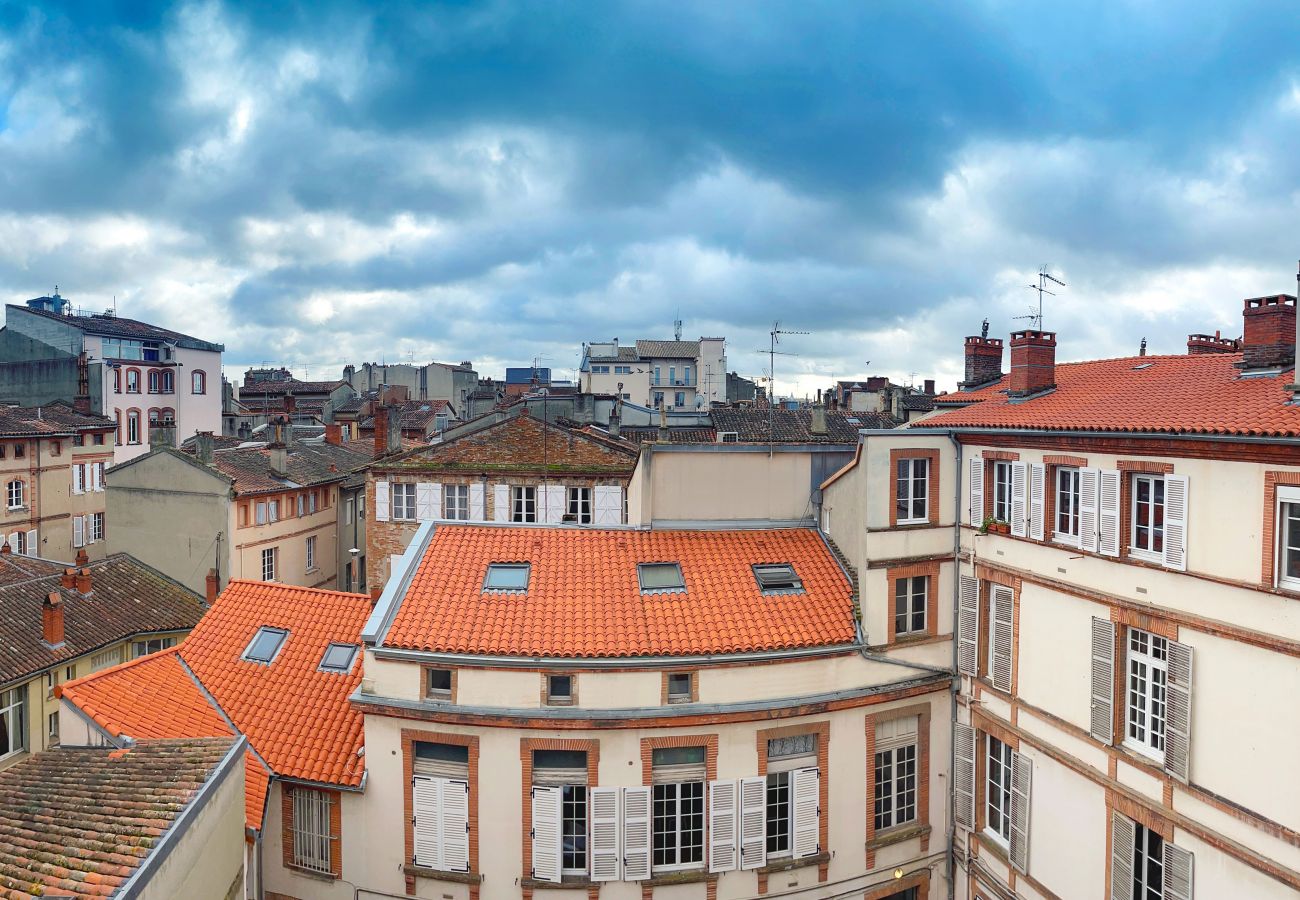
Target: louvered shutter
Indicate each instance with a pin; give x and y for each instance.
(1178, 865)
(98, 470)
(31, 543)
(753, 822)
(1089, 479)
(1019, 499)
(477, 507)
(1037, 484)
(1176, 522)
(546, 834)
(1108, 512)
(724, 843)
(1022, 777)
(424, 508)
(963, 780)
(1178, 720)
(381, 501)
(976, 487)
(13, 542)
(636, 833)
(1123, 835)
(78, 478)
(78, 531)
(607, 505)
(500, 503)
(1003, 608)
(1101, 722)
(426, 798)
(553, 503)
(805, 799)
(968, 627)
(606, 858)
(455, 825)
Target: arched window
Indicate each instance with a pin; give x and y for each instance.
(117, 431)
(117, 381)
(168, 415)
(133, 426)
(14, 493)
(168, 382)
(154, 417)
(133, 381)
(199, 382)
(155, 381)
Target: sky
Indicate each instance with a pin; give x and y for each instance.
(499, 182)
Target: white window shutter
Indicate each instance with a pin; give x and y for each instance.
(78, 531)
(1178, 720)
(1108, 512)
(98, 470)
(381, 501)
(435, 502)
(424, 509)
(968, 627)
(546, 835)
(753, 823)
(1178, 864)
(1003, 608)
(636, 833)
(13, 542)
(724, 846)
(455, 825)
(78, 478)
(607, 505)
(477, 507)
(1019, 499)
(31, 543)
(805, 801)
(1089, 480)
(426, 799)
(1022, 778)
(1123, 834)
(1037, 484)
(606, 845)
(553, 510)
(1102, 719)
(1176, 522)
(976, 487)
(500, 503)
(963, 780)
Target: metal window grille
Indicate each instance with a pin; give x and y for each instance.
(312, 839)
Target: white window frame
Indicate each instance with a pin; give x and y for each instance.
(896, 766)
(96, 527)
(14, 493)
(1073, 474)
(1147, 553)
(573, 797)
(523, 503)
(13, 710)
(578, 505)
(912, 484)
(402, 502)
(1001, 490)
(997, 796)
(660, 793)
(1148, 854)
(269, 563)
(273, 510)
(913, 603)
(133, 427)
(313, 841)
(1146, 692)
(311, 553)
(1286, 496)
(779, 789)
(259, 512)
(455, 502)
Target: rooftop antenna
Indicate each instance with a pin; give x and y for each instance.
(984, 329)
(1043, 277)
(677, 327)
(772, 353)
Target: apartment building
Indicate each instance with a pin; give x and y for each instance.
(449, 382)
(676, 374)
(273, 393)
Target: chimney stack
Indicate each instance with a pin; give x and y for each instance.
(52, 620)
(69, 578)
(983, 362)
(203, 447)
(210, 586)
(1205, 343)
(83, 581)
(818, 424)
(83, 558)
(1268, 341)
(1033, 362)
(394, 431)
(663, 423)
(162, 436)
(290, 403)
(334, 434)
(279, 460)
(381, 430)
(929, 385)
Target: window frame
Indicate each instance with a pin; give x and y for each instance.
(1001, 490)
(1144, 854)
(17, 487)
(1286, 495)
(1146, 553)
(523, 504)
(269, 556)
(198, 382)
(133, 427)
(793, 585)
(1075, 496)
(549, 682)
(455, 502)
(311, 553)
(320, 808)
(265, 631)
(133, 381)
(13, 710)
(671, 696)
(404, 509)
(1001, 791)
(684, 808)
(488, 587)
(442, 694)
(578, 504)
(641, 569)
(900, 784)
(906, 493)
(1153, 709)
(335, 668)
(907, 584)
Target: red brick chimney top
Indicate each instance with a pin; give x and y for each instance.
(52, 620)
(1033, 362)
(334, 434)
(1268, 339)
(210, 591)
(69, 578)
(83, 558)
(83, 581)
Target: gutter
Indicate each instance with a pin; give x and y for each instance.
(1093, 433)
(956, 678)
(607, 662)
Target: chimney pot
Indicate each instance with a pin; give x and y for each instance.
(52, 620)
(83, 581)
(1268, 338)
(69, 578)
(1033, 362)
(83, 558)
(983, 361)
(1198, 344)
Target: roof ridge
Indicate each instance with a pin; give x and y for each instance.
(91, 677)
(295, 587)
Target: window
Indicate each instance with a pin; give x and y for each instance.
(1148, 661)
(777, 578)
(266, 644)
(133, 426)
(15, 494)
(1288, 568)
(455, 502)
(260, 511)
(13, 721)
(56, 448)
(169, 382)
(559, 690)
(151, 645)
(1148, 526)
(679, 398)
(655, 577)
(302, 505)
(313, 839)
(566, 771)
(728, 437)
(1002, 491)
(117, 381)
(20, 451)
(681, 687)
(523, 504)
(659, 397)
(105, 658)
(437, 684)
(99, 441)
(911, 595)
(21, 543)
(96, 527)
(133, 381)
(1148, 864)
(622, 370)
(198, 382)
(997, 793)
(913, 490)
(404, 502)
(600, 370)
(656, 383)
(311, 553)
(1067, 503)
(338, 658)
(268, 564)
(312, 499)
(155, 381)
(52, 723)
(349, 510)
(440, 803)
(273, 510)
(579, 509)
(787, 757)
(506, 577)
(678, 807)
(896, 772)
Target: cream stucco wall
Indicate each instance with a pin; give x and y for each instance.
(289, 537)
(717, 484)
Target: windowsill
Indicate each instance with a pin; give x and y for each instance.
(897, 835)
(904, 523)
(1146, 556)
(995, 845)
(786, 865)
(685, 876)
(1066, 540)
(568, 882)
(440, 875)
(312, 571)
(312, 873)
(914, 637)
(1143, 754)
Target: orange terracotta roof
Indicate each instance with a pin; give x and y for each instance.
(1195, 394)
(584, 600)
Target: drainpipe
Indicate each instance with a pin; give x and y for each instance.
(956, 677)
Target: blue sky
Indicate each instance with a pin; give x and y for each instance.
(494, 182)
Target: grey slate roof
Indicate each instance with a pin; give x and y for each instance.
(118, 327)
(794, 426)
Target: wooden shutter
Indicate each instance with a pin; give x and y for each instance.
(724, 846)
(1123, 834)
(1088, 485)
(753, 822)
(78, 478)
(13, 542)
(968, 627)
(976, 487)
(636, 833)
(963, 780)
(1108, 512)
(32, 547)
(1178, 718)
(1037, 484)
(78, 531)
(455, 825)
(805, 802)
(381, 501)
(607, 505)
(553, 503)
(1177, 872)
(606, 858)
(1003, 609)
(426, 504)
(1019, 501)
(426, 798)
(1102, 718)
(546, 834)
(500, 503)
(477, 504)
(1176, 522)
(98, 470)
(1022, 777)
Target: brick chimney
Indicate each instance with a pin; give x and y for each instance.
(1205, 343)
(334, 434)
(381, 430)
(69, 578)
(52, 620)
(203, 447)
(929, 382)
(983, 361)
(83, 558)
(83, 581)
(1268, 341)
(1033, 362)
(290, 403)
(210, 586)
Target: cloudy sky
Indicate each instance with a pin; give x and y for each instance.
(500, 181)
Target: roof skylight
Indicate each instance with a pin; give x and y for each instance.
(339, 658)
(506, 577)
(777, 578)
(266, 644)
(660, 577)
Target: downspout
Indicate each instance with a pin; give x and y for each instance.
(956, 678)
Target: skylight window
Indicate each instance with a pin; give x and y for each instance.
(853, 420)
(660, 577)
(339, 658)
(1143, 366)
(265, 645)
(506, 577)
(777, 578)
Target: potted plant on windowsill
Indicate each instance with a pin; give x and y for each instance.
(1000, 527)
(987, 525)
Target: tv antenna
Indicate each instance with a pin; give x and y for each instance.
(772, 353)
(1043, 277)
(677, 327)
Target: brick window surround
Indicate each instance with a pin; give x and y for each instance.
(991, 459)
(932, 483)
(928, 570)
(1127, 468)
(424, 684)
(922, 821)
(1125, 619)
(1118, 803)
(983, 728)
(695, 687)
(336, 828)
(1268, 562)
(988, 577)
(410, 737)
(823, 731)
(526, 748)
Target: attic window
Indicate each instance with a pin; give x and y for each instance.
(777, 578)
(338, 658)
(265, 645)
(853, 420)
(1143, 366)
(506, 577)
(656, 577)
(728, 437)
